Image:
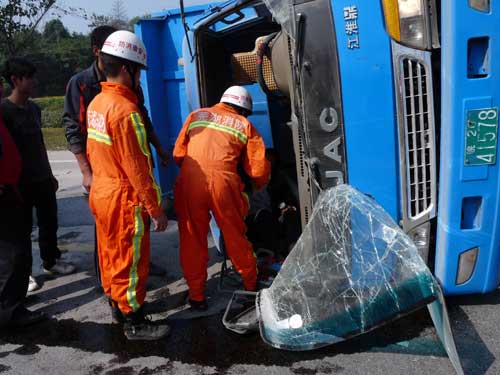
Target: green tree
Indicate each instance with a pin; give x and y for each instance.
(55, 30)
(57, 59)
(98, 20)
(18, 22)
(117, 17)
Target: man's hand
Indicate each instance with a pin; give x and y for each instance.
(55, 183)
(165, 158)
(160, 223)
(86, 170)
(87, 180)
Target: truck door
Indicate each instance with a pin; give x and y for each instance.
(164, 83)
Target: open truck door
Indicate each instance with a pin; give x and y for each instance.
(164, 83)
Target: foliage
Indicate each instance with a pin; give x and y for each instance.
(55, 30)
(57, 53)
(52, 110)
(51, 103)
(58, 60)
(118, 11)
(54, 139)
(18, 22)
(116, 18)
(97, 20)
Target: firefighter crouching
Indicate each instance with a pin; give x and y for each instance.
(124, 194)
(211, 144)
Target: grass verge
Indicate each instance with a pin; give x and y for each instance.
(54, 139)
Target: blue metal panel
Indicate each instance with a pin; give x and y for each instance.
(245, 15)
(163, 83)
(260, 115)
(191, 74)
(461, 92)
(369, 104)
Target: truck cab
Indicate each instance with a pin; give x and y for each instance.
(398, 98)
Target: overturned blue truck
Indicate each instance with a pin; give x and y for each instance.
(398, 99)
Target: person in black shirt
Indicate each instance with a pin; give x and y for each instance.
(15, 250)
(37, 184)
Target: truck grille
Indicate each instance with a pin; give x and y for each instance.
(419, 134)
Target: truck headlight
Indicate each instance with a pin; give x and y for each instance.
(407, 22)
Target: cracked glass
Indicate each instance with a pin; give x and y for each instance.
(352, 270)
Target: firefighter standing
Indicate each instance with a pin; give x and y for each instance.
(81, 90)
(124, 193)
(212, 143)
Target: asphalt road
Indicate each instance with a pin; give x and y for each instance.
(79, 339)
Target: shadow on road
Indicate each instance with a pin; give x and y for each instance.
(476, 299)
(206, 342)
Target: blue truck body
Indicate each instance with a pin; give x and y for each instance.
(400, 123)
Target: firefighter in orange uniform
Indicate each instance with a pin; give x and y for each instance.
(211, 144)
(124, 194)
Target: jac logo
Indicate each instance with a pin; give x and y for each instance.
(329, 122)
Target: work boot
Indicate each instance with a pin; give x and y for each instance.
(116, 314)
(137, 327)
(22, 317)
(198, 305)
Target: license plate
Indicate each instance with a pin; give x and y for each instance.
(481, 136)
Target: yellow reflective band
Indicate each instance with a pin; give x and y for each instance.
(133, 278)
(392, 20)
(245, 196)
(140, 132)
(99, 136)
(213, 125)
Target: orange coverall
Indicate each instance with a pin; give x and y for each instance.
(210, 145)
(123, 193)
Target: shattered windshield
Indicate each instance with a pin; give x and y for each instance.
(352, 270)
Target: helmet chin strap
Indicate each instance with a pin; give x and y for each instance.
(132, 70)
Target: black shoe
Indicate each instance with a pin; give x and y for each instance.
(116, 314)
(138, 327)
(198, 305)
(22, 317)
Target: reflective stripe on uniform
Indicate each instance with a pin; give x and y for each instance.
(133, 278)
(247, 199)
(140, 132)
(99, 136)
(242, 137)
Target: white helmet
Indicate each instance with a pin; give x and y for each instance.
(239, 96)
(126, 45)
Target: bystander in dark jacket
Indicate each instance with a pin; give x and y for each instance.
(37, 184)
(80, 91)
(15, 241)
